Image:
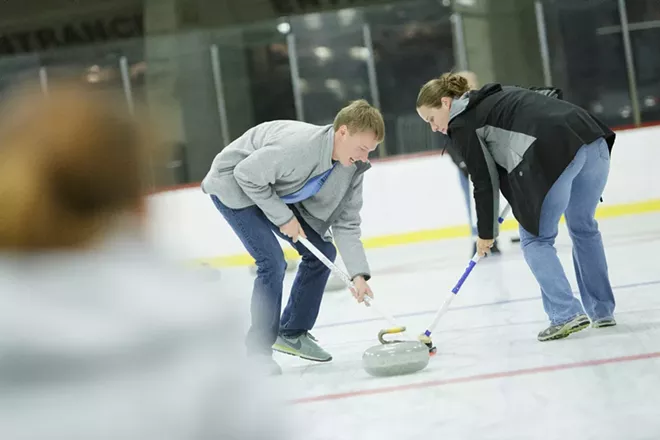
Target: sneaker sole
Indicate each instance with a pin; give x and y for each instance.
(609, 324)
(291, 352)
(566, 333)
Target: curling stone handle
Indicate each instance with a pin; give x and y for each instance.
(345, 278)
(389, 331)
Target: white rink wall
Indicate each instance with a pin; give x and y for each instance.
(400, 195)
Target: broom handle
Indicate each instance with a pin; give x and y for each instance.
(473, 262)
(347, 280)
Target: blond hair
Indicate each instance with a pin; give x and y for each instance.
(471, 77)
(359, 116)
(449, 85)
(70, 164)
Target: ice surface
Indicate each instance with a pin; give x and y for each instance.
(491, 378)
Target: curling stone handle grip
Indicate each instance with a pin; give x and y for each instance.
(389, 331)
(344, 277)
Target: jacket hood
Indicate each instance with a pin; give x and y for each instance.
(471, 99)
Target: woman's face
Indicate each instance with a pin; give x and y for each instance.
(436, 117)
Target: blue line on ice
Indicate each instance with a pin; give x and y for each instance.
(474, 306)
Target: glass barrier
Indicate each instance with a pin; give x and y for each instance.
(413, 42)
(207, 86)
(587, 57)
(17, 69)
(644, 28)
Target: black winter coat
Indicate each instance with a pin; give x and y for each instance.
(518, 141)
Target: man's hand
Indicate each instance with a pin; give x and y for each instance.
(362, 289)
(293, 229)
(483, 246)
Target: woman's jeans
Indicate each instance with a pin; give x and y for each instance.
(576, 195)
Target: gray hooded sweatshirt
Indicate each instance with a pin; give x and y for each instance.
(277, 158)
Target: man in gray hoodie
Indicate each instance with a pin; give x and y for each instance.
(291, 179)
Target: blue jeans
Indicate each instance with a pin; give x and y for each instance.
(257, 234)
(576, 195)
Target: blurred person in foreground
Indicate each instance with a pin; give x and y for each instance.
(549, 158)
(289, 179)
(100, 338)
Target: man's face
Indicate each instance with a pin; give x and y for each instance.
(354, 147)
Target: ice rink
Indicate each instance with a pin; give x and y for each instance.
(491, 378)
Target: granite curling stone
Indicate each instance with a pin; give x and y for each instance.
(395, 358)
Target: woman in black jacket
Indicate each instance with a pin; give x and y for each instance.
(462, 170)
(464, 179)
(549, 158)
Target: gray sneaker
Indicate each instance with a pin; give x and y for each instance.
(560, 331)
(303, 346)
(603, 322)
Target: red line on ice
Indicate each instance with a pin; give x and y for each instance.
(476, 378)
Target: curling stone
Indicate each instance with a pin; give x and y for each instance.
(394, 358)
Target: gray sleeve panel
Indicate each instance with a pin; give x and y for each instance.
(495, 182)
(506, 147)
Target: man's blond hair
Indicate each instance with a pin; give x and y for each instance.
(359, 117)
